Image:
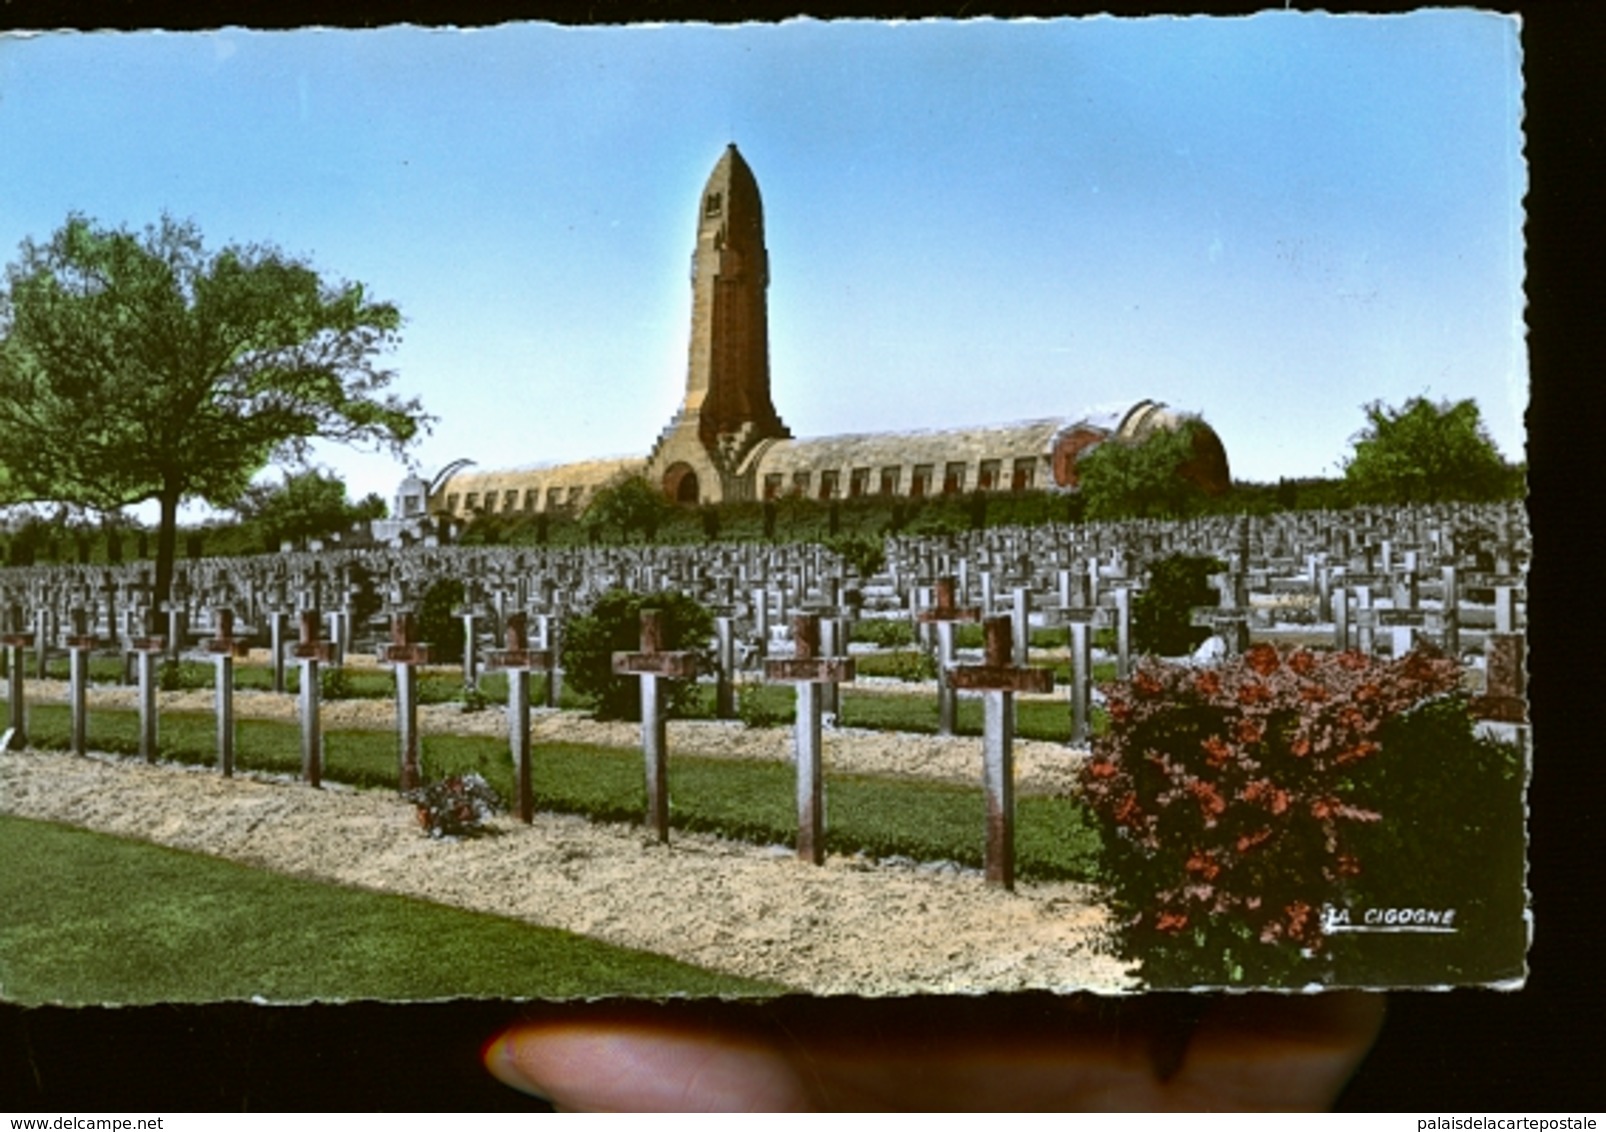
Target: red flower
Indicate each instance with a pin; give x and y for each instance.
(1127, 811)
(1171, 922)
(1253, 692)
(1249, 840)
(1303, 662)
(1211, 803)
(1216, 751)
(1263, 659)
(1301, 919)
(1207, 683)
(1359, 750)
(1101, 768)
(1203, 864)
(1249, 732)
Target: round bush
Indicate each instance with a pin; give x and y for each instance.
(613, 624)
(1236, 802)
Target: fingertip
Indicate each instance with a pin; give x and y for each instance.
(643, 1068)
(499, 1060)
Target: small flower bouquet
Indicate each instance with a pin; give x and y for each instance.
(456, 806)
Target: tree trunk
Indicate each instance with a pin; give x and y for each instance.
(166, 551)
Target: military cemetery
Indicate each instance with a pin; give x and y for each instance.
(893, 712)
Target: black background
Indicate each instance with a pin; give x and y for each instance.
(1537, 1049)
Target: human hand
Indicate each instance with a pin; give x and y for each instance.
(1034, 1052)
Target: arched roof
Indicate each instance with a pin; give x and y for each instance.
(585, 474)
(928, 446)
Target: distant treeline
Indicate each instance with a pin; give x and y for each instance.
(791, 519)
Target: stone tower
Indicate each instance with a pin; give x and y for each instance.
(727, 409)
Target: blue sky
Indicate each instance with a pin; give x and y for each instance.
(1269, 220)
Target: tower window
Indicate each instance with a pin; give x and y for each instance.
(531, 498)
(953, 479)
(859, 483)
(828, 484)
(554, 498)
(471, 501)
(1024, 470)
(800, 483)
(510, 500)
(713, 205)
(988, 475)
(889, 481)
(920, 484)
(772, 485)
(451, 503)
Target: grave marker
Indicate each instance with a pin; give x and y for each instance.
(653, 664)
(405, 653)
(79, 645)
(999, 680)
(808, 670)
(309, 650)
(517, 659)
(16, 642)
(224, 648)
(944, 613)
(145, 651)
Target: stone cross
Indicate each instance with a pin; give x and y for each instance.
(177, 610)
(1079, 623)
(42, 634)
(406, 654)
(943, 613)
(809, 670)
(16, 641)
(79, 644)
(517, 659)
(1505, 680)
(145, 651)
(1404, 624)
(1123, 632)
(1231, 625)
(653, 664)
(725, 653)
(761, 619)
(999, 680)
(225, 647)
(108, 588)
(1451, 612)
(278, 605)
(310, 651)
(472, 609)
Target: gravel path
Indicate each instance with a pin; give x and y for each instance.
(851, 927)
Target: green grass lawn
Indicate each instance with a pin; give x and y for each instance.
(747, 800)
(87, 918)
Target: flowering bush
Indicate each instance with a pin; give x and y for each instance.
(1230, 798)
(456, 806)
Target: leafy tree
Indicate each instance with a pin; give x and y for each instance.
(1427, 453)
(304, 505)
(1140, 481)
(628, 504)
(138, 366)
(613, 624)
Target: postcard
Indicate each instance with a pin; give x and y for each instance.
(844, 508)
